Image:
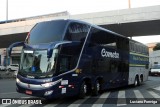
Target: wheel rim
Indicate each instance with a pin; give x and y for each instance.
(136, 82)
(98, 86)
(85, 88)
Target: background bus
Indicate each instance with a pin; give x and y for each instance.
(71, 57)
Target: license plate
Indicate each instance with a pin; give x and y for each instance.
(28, 92)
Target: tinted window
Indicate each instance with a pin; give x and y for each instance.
(138, 47)
(102, 38)
(47, 32)
(122, 43)
(68, 58)
(76, 32)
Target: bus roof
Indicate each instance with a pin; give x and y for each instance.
(92, 25)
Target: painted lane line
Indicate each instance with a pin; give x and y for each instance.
(55, 104)
(101, 100)
(157, 88)
(121, 98)
(155, 95)
(138, 94)
(78, 102)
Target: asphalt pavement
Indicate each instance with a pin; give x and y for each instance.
(148, 92)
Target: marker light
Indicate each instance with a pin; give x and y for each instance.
(71, 86)
(78, 71)
(61, 86)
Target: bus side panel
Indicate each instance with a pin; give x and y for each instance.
(108, 55)
(133, 71)
(138, 63)
(114, 71)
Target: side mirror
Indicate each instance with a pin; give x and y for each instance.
(49, 53)
(54, 45)
(50, 49)
(16, 44)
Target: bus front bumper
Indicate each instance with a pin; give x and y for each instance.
(48, 93)
(37, 90)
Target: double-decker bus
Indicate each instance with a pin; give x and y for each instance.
(71, 57)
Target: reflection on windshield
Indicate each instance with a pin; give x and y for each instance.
(37, 61)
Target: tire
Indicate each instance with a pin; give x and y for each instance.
(136, 81)
(141, 80)
(97, 88)
(83, 91)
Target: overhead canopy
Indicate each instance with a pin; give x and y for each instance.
(144, 28)
(7, 40)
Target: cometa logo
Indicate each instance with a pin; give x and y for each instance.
(105, 53)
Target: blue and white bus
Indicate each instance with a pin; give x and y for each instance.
(71, 57)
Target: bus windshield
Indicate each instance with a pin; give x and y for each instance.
(47, 32)
(37, 63)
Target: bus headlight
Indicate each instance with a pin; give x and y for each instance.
(47, 84)
(17, 80)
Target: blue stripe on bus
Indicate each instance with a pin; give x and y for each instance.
(137, 59)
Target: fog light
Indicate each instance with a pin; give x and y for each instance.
(48, 92)
(17, 80)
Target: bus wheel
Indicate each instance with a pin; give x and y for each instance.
(97, 88)
(83, 90)
(136, 81)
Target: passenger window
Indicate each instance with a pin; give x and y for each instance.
(76, 32)
(102, 38)
(64, 63)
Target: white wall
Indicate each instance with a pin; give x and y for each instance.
(154, 57)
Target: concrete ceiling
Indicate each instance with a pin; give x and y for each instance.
(7, 40)
(144, 28)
